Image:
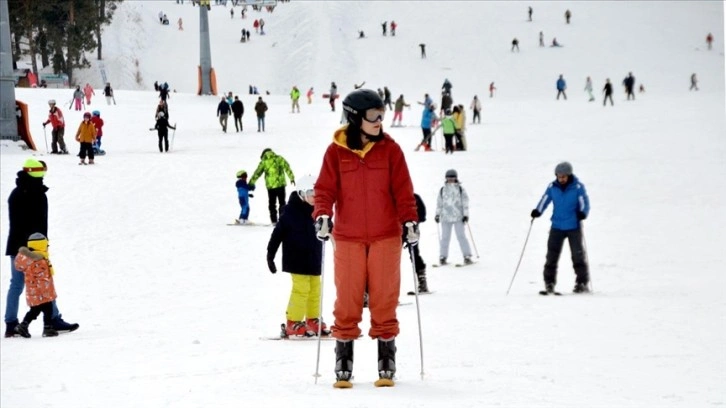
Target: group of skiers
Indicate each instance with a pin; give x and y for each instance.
(607, 90)
(89, 133)
(234, 106)
(372, 233)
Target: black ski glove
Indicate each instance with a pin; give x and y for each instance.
(271, 264)
(437, 219)
(581, 215)
(323, 227)
(465, 219)
(251, 195)
(535, 213)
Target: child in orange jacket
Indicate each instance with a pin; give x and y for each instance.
(86, 136)
(39, 289)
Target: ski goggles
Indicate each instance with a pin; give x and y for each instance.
(374, 115)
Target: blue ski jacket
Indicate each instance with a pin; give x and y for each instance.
(427, 118)
(561, 85)
(567, 201)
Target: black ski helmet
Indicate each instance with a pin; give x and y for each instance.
(358, 102)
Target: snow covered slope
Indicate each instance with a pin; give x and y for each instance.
(172, 302)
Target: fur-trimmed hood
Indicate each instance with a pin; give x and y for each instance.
(30, 254)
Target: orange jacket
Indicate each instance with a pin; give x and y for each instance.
(371, 190)
(39, 286)
(86, 132)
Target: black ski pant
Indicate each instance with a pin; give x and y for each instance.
(426, 136)
(477, 117)
(449, 142)
(165, 139)
(238, 122)
(274, 196)
(608, 96)
(417, 260)
(554, 249)
(86, 149)
(561, 91)
(47, 310)
(630, 93)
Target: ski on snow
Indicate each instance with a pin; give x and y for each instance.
(381, 382)
(545, 293)
(412, 293)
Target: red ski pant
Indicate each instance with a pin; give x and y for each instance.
(377, 266)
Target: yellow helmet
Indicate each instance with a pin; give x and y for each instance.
(38, 243)
(35, 168)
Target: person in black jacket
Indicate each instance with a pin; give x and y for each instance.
(629, 83)
(28, 212)
(608, 91)
(238, 109)
(161, 126)
(419, 263)
(223, 110)
(302, 258)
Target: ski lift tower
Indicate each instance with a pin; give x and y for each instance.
(8, 120)
(207, 78)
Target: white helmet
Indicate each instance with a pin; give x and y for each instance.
(51, 102)
(305, 186)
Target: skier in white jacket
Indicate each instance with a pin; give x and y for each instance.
(452, 210)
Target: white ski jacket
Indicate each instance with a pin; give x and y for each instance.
(452, 203)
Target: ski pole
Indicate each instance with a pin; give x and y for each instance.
(172, 137)
(45, 136)
(587, 258)
(472, 240)
(418, 310)
(320, 318)
(521, 255)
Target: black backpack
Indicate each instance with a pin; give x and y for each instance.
(420, 208)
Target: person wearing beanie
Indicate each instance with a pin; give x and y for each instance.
(365, 186)
(452, 211)
(571, 206)
(244, 193)
(33, 262)
(275, 168)
(86, 136)
(28, 213)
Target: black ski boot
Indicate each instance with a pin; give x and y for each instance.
(10, 329)
(550, 287)
(343, 360)
(423, 287)
(581, 288)
(22, 329)
(386, 358)
(49, 331)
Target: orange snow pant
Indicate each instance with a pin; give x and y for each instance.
(377, 266)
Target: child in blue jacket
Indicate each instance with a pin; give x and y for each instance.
(571, 205)
(244, 195)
